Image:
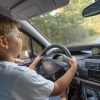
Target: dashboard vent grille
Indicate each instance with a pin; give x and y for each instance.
(94, 57)
(99, 67)
(91, 65)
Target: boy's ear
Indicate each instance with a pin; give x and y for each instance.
(3, 42)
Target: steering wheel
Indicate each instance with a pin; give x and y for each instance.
(51, 64)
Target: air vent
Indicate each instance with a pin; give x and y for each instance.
(94, 57)
(94, 74)
(99, 67)
(91, 65)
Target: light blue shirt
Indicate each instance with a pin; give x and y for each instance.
(22, 83)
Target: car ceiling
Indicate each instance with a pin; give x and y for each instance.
(24, 9)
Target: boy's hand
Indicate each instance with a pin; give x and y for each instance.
(36, 61)
(63, 82)
(18, 60)
(72, 61)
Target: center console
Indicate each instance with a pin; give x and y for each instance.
(90, 92)
(94, 75)
(90, 78)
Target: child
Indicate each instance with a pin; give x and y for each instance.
(20, 82)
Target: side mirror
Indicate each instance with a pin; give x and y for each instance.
(24, 55)
(93, 9)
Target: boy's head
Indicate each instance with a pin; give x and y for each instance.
(9, 36)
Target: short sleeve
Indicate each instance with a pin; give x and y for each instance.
(31, 86)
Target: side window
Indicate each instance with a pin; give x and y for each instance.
(29, 47)
(24, 54)
(25, 44)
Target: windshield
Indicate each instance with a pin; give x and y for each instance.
(67, 26)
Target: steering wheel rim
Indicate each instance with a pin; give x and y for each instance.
(64, 49)
(51, 71)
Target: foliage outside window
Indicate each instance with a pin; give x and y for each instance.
(67, 26)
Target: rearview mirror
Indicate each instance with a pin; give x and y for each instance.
(91, 10)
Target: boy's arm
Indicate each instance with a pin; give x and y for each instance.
(17, 60)
(36, 61)
(62, 83)
(32, 66)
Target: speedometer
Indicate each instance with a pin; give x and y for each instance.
(95, 50)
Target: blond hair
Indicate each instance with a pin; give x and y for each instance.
(6, 24)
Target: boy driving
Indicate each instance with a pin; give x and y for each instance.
(21, 82)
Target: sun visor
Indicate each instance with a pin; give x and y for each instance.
(32, 8)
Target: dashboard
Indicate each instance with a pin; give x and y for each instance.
(89, 68)
(88, 59)
(88, 72)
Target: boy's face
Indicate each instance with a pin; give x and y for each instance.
(14, 42)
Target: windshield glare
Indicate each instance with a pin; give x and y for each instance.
(67, 26)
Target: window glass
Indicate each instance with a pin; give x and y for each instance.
(24, 54)
(66, 25)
